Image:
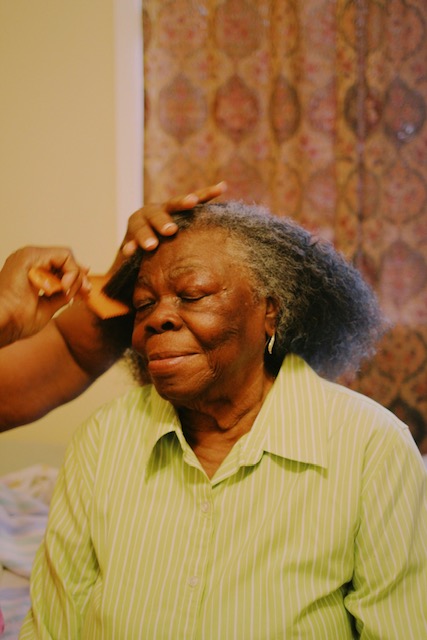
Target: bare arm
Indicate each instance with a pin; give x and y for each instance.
(38, 374)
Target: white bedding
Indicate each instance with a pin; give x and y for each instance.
(24, 506)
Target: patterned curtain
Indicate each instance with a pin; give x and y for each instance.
(318, 110)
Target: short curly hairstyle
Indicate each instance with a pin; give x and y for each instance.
(328, 314)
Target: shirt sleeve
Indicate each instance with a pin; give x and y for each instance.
(388, 596)
(65, 567)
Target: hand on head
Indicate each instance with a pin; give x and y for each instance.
(152, 220)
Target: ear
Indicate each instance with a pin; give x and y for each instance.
(271, 313)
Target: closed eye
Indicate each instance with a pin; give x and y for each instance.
(191, 298)
(142, 305)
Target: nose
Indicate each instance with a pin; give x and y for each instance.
(164, 316)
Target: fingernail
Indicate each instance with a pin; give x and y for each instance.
(129, 248)
(169, 226)
(151, 243)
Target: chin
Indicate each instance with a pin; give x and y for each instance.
(177, 393)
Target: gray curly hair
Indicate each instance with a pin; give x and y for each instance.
(327, 315)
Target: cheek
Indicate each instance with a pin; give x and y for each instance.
(213, 330)
(137, 337)
(226, 342)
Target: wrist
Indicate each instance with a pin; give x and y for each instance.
(9, 331)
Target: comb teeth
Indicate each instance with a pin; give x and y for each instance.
(101, 304)
(98, 301)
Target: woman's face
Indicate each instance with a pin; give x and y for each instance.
(198, 324)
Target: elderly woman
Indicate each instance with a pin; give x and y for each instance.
(239, 495)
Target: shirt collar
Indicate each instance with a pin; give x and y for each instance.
(292, 423)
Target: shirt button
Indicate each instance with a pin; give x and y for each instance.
(205, 507)
(193, 581)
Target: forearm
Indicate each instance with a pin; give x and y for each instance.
(6, 326)
(37, 375)
(53, 367)
(89, 344)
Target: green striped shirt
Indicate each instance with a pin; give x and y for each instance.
(314, 526)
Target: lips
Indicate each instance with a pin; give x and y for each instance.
(164, 363)
(167, 355)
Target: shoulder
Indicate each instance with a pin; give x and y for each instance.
(331, 405)
(115, 419)
(345, 418)
(136, 401)
(374, 435)
(367, 444)
(351, 408)
(107, 439)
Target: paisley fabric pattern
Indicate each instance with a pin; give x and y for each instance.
(317, 109)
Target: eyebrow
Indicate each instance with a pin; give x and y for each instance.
(175, 272)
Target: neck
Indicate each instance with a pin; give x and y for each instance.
(212, 428)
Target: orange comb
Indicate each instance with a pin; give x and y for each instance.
(101, 304)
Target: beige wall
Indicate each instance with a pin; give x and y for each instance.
(70, 153)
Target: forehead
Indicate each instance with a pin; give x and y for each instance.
(207, 250)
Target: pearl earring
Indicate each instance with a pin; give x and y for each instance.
(270, 344)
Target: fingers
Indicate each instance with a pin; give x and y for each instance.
(211, 192)
(29, 272)
(58, 271)
(143, 226)
(74, 277)
(48, 306)
(44, 280)
(181, 203)
(153, 219)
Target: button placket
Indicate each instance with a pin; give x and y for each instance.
(204, 507)
(193, 581)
